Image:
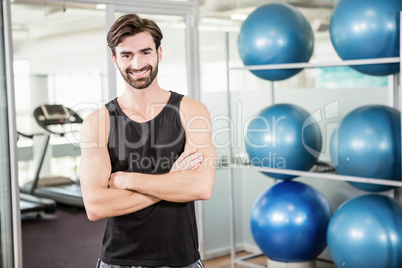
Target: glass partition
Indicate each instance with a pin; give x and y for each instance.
(59, 58)
(9, 221)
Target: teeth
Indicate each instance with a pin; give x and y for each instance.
(140, 72)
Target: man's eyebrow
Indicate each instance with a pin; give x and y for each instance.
(130, 53)
(126, 53)
(146, 49)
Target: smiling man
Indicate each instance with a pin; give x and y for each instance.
(146, 157)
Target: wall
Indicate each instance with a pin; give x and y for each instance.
(78, 52)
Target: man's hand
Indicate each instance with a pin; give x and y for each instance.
(117, 180)
(188, 160)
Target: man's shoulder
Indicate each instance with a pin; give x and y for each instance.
(96, 117)
(96, 126)
(192, 106)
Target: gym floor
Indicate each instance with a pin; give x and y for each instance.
(64, 239)
(224, 262)
(68, 239)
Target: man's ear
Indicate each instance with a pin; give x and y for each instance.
(114, 60)
(159, 54)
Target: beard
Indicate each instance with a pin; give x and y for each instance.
(143, 82)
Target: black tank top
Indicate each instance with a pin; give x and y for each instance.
(164, 234)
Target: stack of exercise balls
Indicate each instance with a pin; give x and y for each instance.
(275, 34)
(367, 29)
(366, 231)
(292, 222)
(289, 221)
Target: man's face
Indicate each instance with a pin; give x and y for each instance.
(137, 60)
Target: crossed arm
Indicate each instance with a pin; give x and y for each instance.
(108, 195)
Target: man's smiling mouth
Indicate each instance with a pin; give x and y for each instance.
(138, 73)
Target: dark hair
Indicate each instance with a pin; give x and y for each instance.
(129, 25)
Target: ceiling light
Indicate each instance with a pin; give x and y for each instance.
(100, 6)
(238, 16)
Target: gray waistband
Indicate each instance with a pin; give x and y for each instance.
(101, 264)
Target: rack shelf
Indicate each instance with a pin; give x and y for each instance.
(320, 175)
(317, 64)
(315, 174)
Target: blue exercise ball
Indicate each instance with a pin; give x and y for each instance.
(366, 231)
(289, 222)
(364, 29)
(283, 136)
(367, 143)
(274, 34)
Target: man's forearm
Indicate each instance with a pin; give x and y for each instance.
(106, 203)
(174, 186)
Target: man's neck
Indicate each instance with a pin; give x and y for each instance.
(143, 102)
(143, 97)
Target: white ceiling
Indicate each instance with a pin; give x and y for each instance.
(38, 18)
(214, 6)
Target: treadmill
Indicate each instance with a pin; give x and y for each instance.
(63, 190)
(30, 203)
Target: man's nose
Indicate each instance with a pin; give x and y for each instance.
(136, 63)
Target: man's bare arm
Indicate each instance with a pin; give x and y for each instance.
(95, 168)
